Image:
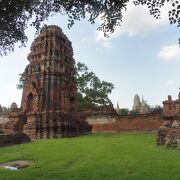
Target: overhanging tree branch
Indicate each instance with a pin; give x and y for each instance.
(15, 15)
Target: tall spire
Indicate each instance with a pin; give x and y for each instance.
(137, 103)
(117, 106)
(142, 99)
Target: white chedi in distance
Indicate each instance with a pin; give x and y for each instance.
(140, 106)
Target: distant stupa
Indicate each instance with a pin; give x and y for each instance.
(140, 106)
(137, 103)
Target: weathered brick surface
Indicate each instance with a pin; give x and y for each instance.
(169, 134)
(15, 123)
(11, 139)
(49, 105)
(114, 123)
(4, 118)
(171, 108)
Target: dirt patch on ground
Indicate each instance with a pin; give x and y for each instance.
(15, 165)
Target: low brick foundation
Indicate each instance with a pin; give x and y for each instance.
(12, 139)
(143, 122)
(4, 118)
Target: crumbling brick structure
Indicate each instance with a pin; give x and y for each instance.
(171, 108)
(169, 133)
(49, 106)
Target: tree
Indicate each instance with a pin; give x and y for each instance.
(156, 109)
(92, 91)
(133, 112)
(20, 85)
(123, 112)
(17, 14)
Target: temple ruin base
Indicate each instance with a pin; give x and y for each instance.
(51, 124)
(12, 139)
(169, 134)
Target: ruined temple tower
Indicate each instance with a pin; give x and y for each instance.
(49, 97)
(49, 78)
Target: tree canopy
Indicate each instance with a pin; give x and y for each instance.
(16, 15)
(92, 91)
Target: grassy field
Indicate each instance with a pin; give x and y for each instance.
(94, 157)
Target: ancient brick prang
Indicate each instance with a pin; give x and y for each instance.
(49, 78)
(49, 105)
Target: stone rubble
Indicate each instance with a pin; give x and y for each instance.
(169, 134)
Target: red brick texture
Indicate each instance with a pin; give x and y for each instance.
(130, 123)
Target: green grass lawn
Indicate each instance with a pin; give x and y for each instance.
(94, 157)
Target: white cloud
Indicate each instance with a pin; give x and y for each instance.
(99, 37)
(170, 82)
(169, 53)
(86, 39)
(136, 21)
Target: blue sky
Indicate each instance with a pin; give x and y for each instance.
(142, 57)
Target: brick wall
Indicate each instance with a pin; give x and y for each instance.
(110, 123)
(4, 118)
